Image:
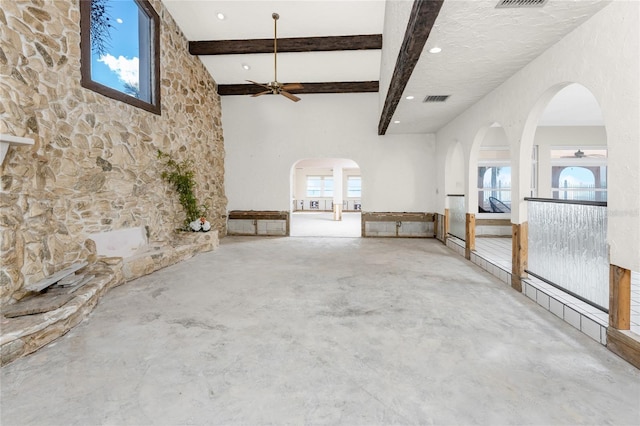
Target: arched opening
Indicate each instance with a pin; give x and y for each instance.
(326, 198)
(493, 171)
(571, 147)
(566, 221)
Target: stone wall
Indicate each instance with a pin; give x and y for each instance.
(93, 167)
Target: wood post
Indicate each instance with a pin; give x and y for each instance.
(446, 225)
(519, 254)
(620, 340)
(470, 235)
(619, 298)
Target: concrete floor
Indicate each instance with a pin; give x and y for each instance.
(321, 330)
(321, 224)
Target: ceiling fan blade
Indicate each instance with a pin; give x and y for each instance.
(289, 95)
(259, 84)
(261, 93)
(292, 86)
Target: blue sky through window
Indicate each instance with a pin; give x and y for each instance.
(120, 64)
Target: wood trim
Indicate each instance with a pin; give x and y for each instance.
(423, 16)
(625, 344)
(293, 44)
(329, 87)
(619, 297)
(470, 235)
(395, 217)
(258, 215)
(519, 254)
(493, 222)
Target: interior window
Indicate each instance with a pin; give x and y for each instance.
(120, 42)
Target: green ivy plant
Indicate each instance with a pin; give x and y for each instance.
(180, 174)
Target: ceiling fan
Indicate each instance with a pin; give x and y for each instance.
(275, 87)
(581, 154)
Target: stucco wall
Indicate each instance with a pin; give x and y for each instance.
(93, 167)
(602, 55)
(266, 136)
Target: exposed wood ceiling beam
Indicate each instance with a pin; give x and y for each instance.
(423, 16)
(297, 44)
(334, 87)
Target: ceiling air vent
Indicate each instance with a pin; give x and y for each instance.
(520, 3)
(436, 98)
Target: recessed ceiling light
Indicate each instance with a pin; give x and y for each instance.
(396, 122)
(246, 67)
(435, 50)
(220, 16)
(410, 97)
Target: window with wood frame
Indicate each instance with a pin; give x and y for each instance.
(120, 51)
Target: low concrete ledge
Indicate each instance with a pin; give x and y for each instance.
(23, 335)
(398, 224)
(160, 255)
(258, 222)
(26, 334)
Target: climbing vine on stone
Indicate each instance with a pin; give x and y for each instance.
(181, 175)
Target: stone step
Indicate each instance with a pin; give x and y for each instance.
(70, 289)
(37, 305)
(41, 285)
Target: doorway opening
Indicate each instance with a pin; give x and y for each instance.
(326, 198)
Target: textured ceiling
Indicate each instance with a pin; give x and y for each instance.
(481, 46)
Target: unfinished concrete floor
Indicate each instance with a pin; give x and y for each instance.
(315, 331)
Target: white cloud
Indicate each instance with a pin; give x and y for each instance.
(126, 69)
(119, 20)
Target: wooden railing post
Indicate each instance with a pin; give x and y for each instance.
(470, 235)
(519, 254)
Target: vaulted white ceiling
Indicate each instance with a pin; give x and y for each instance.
(482, 46)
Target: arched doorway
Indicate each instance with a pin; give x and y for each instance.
(326, 198)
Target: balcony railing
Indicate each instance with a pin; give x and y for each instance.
(568, 247)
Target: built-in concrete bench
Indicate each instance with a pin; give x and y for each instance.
(122, 255)
(266, 223)
(140, 257)
(397, 224)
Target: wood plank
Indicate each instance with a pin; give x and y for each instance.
(258, 215)
(291, 44)
(328, 87)
(625, 344)
(397, 217)
(423, 16)
(519, 254)
(470, 235)
(619, 297)
(493, 222)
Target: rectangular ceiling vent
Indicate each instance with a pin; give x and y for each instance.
(436, 98)
(503, 4)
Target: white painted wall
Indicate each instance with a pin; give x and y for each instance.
(266, 136)
(602, 55)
